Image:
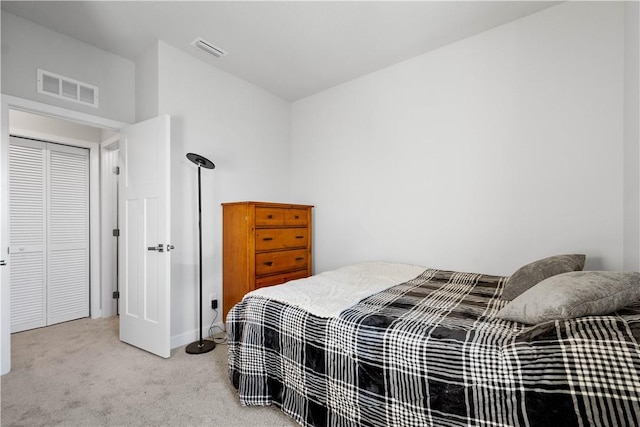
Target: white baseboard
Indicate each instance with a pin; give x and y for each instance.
(189, 336)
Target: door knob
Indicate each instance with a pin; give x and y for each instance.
(3, 263)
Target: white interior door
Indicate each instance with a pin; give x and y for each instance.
(144, 254)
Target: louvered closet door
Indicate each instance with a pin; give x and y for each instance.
(68, 234)
(49, 233)
(27, 234)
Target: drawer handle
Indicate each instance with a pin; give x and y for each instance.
(297, 216)
(268, 263)
(270, 216)
(299, 237)
(267, 238)
(300, 258)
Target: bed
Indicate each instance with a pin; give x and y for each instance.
(387, 344)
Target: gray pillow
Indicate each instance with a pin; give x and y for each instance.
(528, 275)
(575, 294)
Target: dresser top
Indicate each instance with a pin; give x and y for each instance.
(269, 204)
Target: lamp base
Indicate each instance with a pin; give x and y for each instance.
(199, 347)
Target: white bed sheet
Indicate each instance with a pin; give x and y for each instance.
(327, 294)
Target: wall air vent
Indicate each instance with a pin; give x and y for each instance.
(208, 47)
(67, 88)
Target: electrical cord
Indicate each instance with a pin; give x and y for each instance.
(212, 331)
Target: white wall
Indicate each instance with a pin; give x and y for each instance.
(27, 46)
(480, 156)
(245, 131)
(632, 136)
(147, 86)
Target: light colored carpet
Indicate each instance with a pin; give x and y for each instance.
(80, 374)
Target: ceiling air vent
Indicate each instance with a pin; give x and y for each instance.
(67, 88)
(208, 47)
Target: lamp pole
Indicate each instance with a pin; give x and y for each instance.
(200, 346)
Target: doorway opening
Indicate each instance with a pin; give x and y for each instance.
(109, 129)
(152, 135)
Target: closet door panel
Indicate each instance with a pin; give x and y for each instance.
(28, 291)
(68, 234)
(27, 234)
(68, 286)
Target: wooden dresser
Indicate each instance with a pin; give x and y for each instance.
(263, 244)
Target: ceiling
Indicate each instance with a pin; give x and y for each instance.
(290, 48)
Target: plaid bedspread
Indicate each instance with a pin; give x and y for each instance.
(430, 353)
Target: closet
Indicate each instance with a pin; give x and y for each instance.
(48, 234)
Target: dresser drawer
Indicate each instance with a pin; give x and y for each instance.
(275, 262)
(280, 278)
(281, 216)
(281, 238)
(295, 217)
(269, 216)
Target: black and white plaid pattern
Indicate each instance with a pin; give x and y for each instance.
(429, 352)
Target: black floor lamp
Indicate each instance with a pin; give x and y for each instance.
(200, 346)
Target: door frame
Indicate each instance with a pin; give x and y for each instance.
(9, 102)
